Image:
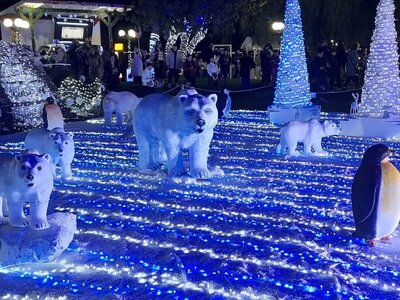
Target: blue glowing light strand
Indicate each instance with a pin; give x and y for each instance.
(381, 90)
(292, 86)
(271, 226)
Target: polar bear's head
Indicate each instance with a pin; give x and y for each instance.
(331, 128)
(63, 142)
(199, 113)
(34, 170)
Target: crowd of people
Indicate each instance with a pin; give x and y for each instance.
(332, 67)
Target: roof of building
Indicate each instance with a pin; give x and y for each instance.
(76, 7)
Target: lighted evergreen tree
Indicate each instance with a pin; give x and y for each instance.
(292, 86)
(381, 90)
(23, 84)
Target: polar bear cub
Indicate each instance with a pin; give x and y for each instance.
(58, 143)
(25, 178)
(309, 133)
(168, 125)
(120, 103)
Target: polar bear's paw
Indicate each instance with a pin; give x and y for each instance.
(4, 220)
(19, 222)
(39, 224)
(201, 173)
(216, 171)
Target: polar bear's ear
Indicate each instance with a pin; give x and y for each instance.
(182, 98)
(213, 97)
(46, 156)
(52, 135)
(70, 134)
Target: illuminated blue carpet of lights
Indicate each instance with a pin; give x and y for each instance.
(271, 228)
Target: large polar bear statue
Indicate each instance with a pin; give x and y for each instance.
(25, 178)
(165, 126)
(58, 143)
(120, 103)
(309, 133)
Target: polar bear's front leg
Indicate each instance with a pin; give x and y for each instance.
(307, 148)
(66, 170)
(4, 211)
(38, 211)
(15, 203)
(292, 145)
(198, 153)
(318, 148)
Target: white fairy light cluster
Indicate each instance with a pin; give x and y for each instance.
(189, 39)
(23, 85)
(80, 97)
(381, 90)
(292, 86)
(272, 227)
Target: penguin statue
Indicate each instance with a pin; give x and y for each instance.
(52, 115)
(375, 196)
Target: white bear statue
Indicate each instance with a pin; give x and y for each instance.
(165, 126)
(309, 133)
(58, 143)
(25, 178)
(120, 103)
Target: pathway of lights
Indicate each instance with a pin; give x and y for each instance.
(271, 226)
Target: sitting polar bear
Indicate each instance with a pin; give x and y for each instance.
(309, 133)
(165, 126)
(58, 143)
(25, 178)
(120, 103)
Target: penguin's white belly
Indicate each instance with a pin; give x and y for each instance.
(388, 210)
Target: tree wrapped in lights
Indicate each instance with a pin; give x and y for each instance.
(381, 90)
(79, 97)
(292, 87)
(23, 85)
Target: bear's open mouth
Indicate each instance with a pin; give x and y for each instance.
(30, 184)
(199, 130)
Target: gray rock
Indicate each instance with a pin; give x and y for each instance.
(25, 245)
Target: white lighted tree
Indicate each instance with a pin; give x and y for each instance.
(381, 90)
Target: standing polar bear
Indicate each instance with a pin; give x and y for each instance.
(309, 133)
(165, 126)
(58, 143)
(25, 178)
(120, 103)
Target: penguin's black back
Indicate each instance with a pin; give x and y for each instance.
(365, 191)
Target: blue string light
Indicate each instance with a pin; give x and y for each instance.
(271, 227)
(292, 86)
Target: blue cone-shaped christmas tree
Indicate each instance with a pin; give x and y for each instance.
(381, 90)
(292, 86)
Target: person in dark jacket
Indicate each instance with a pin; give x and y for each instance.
(111, 73)
(246, 64)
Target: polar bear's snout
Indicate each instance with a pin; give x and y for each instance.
(201, 122)
(30, 177)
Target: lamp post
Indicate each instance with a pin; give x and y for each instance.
(131, 35)
(16, 25)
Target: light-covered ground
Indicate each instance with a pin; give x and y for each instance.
(271, 228)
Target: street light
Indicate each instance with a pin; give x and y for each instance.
(16, 25)
(121, 33)
(278, 26)
(132, 33)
